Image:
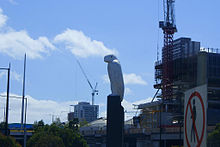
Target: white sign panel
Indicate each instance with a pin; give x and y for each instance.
(195, 116)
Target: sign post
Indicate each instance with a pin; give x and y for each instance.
(195, 117)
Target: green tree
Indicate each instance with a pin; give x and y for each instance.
(42, 139)
(214, 137)
(73, 124)
(2, 125)
(57, 122)
(8, 141)
(62, 136)
(83, 123)
(38, 124)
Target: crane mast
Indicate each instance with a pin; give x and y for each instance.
(94, 89)
(169, 28)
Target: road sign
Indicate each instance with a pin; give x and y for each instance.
(195, 114)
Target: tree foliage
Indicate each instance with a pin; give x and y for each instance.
(83, 123)
(214, 137)
(43, 139)
(38, 125)
(56, 135)
(8, 141)
(73, 124)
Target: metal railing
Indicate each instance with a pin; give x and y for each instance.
(210, 50)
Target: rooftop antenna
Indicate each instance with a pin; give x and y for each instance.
(94, 89)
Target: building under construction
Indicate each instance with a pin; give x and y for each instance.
(183, 65)
(192, 66)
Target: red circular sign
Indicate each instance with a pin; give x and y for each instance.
(199, 139)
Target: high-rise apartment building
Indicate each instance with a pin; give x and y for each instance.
(85, 111)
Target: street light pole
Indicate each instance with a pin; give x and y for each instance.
(23, 94)
(161, 105)
(25, 120)
(180, 119)
(7, 101)
(25, 113)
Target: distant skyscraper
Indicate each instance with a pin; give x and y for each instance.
(85, 111)
(70, 116)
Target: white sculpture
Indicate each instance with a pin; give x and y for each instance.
(115, 75)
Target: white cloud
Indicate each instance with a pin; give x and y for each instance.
(142, 101)
(17, 43)
(37, 109)
(129, 107)
(129, 79)
(2, 74)
(81, 45)
(103, 114)
(12, 2)
(128, 91)
(3, 18)
(14, 75)
(132, 78)
(105, 79)
(46, 109)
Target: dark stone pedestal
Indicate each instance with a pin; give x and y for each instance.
(115, 122)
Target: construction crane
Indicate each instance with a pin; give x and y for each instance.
(169, 28)
(94, 89)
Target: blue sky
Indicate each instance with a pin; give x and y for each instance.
(55, 33)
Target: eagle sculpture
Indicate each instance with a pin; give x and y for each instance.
(115, 75)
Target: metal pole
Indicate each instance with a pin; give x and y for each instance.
(160, 124)
(25, 120)
(23, 94)
(93, 93)
(4, 115)
(7, 101)
(180, 123)
(180, 142)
